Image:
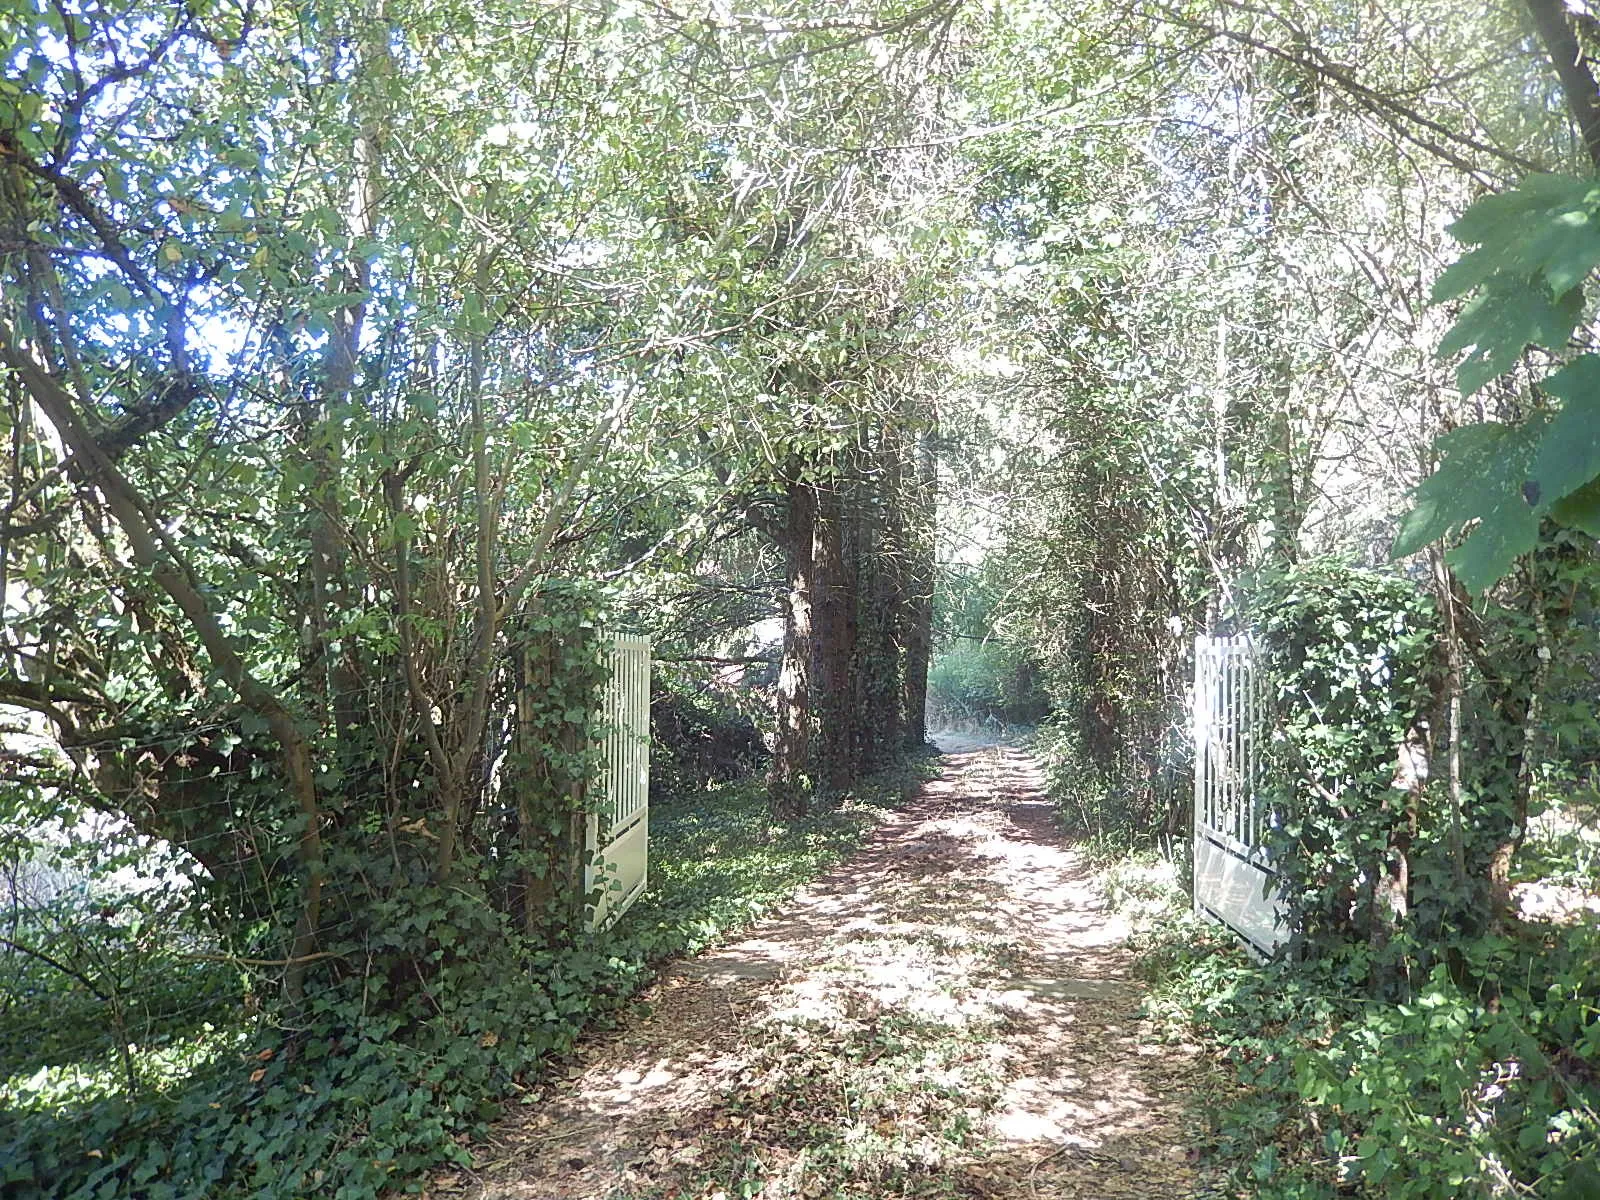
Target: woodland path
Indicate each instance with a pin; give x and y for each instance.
(949, 1013)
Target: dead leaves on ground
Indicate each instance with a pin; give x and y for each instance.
(874, 1065)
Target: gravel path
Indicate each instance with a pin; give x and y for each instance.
(948, 1014)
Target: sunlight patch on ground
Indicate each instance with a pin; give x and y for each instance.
(948, 1014)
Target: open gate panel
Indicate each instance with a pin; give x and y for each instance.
(619, 826)
(1234, 883)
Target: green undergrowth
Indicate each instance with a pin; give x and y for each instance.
(351, 1105)
(1320, 1091)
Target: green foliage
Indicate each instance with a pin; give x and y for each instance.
(1535, 246)
(1088, 797)
(1326, 1093)
(1351, 662)
(700, 734)
(94, 979)
(362, 1098)
(366, 1090)
(1480, 479)
(1396, 1049)
(988, 680)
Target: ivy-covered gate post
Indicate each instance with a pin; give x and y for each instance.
(558, 672)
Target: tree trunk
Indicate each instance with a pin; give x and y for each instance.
(833, 638)
(919, 514)
(1525, 709)
(1572, 68)
(1391, 901)
(789, 784)
(332, 665)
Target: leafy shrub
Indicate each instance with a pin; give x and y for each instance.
(1137, 803)
(1446, 1095)
(358, 1093)
(699, 736)
(1090, 805)
(1399, 1052)
(82, 979)
(975, 681)
(1350, 659)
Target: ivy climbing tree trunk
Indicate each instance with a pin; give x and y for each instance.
(918, 515)
(549, 770)
(833, 634)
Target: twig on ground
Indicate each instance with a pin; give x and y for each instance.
(1034, 1170)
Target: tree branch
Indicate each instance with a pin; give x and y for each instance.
(153, 550)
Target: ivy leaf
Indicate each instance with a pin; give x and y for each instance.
(1482, 469)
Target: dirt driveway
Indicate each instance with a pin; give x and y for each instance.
(947, 1014)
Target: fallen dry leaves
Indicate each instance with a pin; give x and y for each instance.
(949, 1014)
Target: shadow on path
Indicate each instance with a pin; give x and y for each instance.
(948, 1013)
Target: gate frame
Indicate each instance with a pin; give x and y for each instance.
(617, 873)
(1234, 883)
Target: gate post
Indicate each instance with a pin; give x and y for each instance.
(550, 779)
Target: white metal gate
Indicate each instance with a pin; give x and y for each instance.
(619, 827)
(1233, 881)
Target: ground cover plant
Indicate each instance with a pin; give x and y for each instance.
(1322, 1092)
(216, 1111)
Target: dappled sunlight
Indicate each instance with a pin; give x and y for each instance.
(952, 1001)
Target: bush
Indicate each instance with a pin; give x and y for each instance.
(1351, 663)
(1140, 802)
(1403, 1046)
(1447, 1095)
(80, 980)
(700, 735)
